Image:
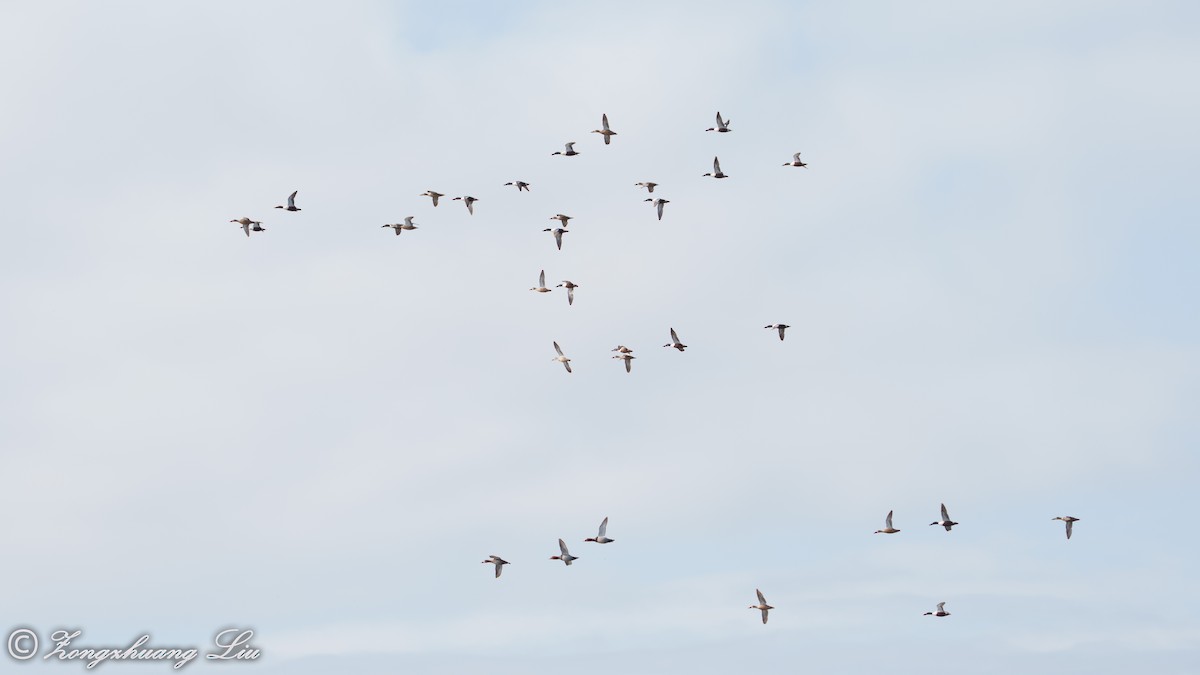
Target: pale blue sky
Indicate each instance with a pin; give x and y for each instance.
(319, 432)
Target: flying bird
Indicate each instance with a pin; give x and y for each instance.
(657, 203)
(566, 556)
(469, 201)
(780, 327)
(887, 528)
(561, 218)
(562, 358)
(291, 205)
(600, 538)
(716, 170)
(406, 225)
(246, 224)
(541, 287)
(675, 342)
(941, 610)
(570, 291)
(432, 194)
(762, 605)
(628, 362)
(558, 233)
(623, 349)
(520, 184)
(648, 185)
(606, 132)
(945, 521)
(722, 125)
(1068, 520)
(795, 161)
(498, 562)
(570, 151)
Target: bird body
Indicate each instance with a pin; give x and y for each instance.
(780, 327)
(498, 562)
(558, 233)
(291, 205)
(887, 528)
(675, 342)
(795, 161)
(570, 291)
(600, 538)
(762, 605)
(658, 204)
(569, 152)
(1068, 520)
(605, 132)
(941, 610)
(541, 287)
(562, 358)
(566, 556)
(716, 172)
(945, 521)
(469, 201)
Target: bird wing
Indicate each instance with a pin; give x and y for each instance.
(1069, 523)
(571, 147)
(542, 279)
(570, 295)
(716, 165)
(945, 515)
(764, 613)
(796, 157)
(674, 337)
(889, 520)
(604, 121)
(567, 366)
(562, 546)
(628, 369)
(292, 199)
(720, 122)
(604, 523)
(761, 599)
(558, 349)
(941, 606)
(781, 329)
(660, 207)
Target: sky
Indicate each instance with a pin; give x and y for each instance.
(318, 432)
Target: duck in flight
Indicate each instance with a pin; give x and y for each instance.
(406, 225)
(658, 204)
(541, 287)
(675, 342)
(562, 358)
(566, 556)
(600, 538)
(1068, 520)
(628, 365)
(716, 170)
(945, 521)
(561, 218)
(722, 125)
(762, 605)
(246, 224)
(606, 132)
(795, 161)
(558, 233)
(570, 290)
(469, 201)
(520, 184)
(941, 610)
(498, 562)
(780, 327)
(648, 185)
(569, 152)
(432, 195)
(291, 205)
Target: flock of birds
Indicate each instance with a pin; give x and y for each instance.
(623, 353)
